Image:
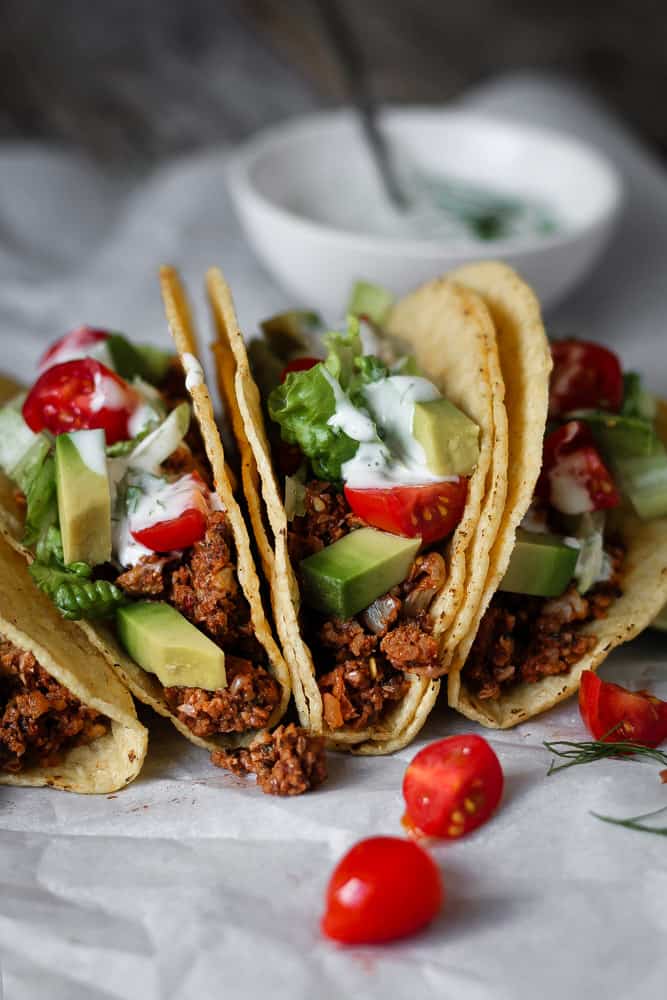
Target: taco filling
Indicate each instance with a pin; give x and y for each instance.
(375, 463)
(602, 452)
(39, 718)
(126, 528)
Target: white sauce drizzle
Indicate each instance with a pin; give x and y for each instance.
(99, 351)
(108, 394)
(91, 448)
(160, 500)
(194, 373)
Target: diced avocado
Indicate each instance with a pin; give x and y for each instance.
(449, 438)
(372, 301)
(660, 620)
(17, 441)
(288, 333)
(541, 565)
(84, 501)
(637, 401)
(644, 481)
(344, 578)
(165, 643)
(618, 436)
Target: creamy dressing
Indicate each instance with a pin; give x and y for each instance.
(568, 494)
(194, 373)
(91, 448)
(98, 351)
(108, 394)
(347, 417)
(391, 402)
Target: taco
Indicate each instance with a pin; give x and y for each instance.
(369, 522)
(579, 565)
(65, 718)
(123, 505)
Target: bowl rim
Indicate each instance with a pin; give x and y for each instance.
(261, 144)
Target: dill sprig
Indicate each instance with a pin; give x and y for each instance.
(635, 822)
(587, 751)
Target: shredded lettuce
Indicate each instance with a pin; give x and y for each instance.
(75, 594)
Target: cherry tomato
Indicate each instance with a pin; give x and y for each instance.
(432, 511)
(635, 716)
(452, 786)
(584, 376)
(384, 888)
(81, 395)
(299, 365)
(188, 527)
(574, 478)
(75, 344)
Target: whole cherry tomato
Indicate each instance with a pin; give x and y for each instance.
(81, 395)
(585, 376)
(452, 786)
(613, 713)
(384, 888)
(76, 344)
(574, 479)
(431, 511)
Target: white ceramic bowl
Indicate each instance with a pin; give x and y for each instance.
(303, 190)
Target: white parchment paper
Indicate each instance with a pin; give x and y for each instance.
(191, 883)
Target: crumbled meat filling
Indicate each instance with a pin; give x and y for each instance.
(247, 702)
(364, 660)
(39, 718)
(526, 638)
(288, 761)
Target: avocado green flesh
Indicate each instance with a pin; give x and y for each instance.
(344, 578)
(541, 565)
(618, 436)
(644, 481)
(166, 644)
(371, 301)
(84, 499)
(449, 438)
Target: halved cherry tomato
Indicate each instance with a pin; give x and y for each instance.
(384, 888)
(178, 533)
(432, 511)
(613, 713)
(81, 395)
(574, 478)
(452, 786)
(584, 376)
(75, 344)
(299, 365)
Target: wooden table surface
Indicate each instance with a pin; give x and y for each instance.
(134, 80)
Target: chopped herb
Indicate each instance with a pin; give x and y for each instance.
(587, 751)
(634, 822)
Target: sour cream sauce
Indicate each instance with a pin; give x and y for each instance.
(397, 458)
(159, 500)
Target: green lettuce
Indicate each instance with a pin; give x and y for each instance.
(75, 594)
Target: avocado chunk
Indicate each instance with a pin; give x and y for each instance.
(371, 301)
(165, 643)
(84, 500)
(541, 565)
(344, 578)
(449, 438)
(19, 446)
(618, 436)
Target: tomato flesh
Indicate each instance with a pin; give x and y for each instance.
(384, 888)
(75, 344)
(431, 511)
(299, 365)
(574, 479)
(177, 533)
(584, 376)
(81, 395)
(452, 786)
(614, 714)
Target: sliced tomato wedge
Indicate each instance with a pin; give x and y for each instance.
(574, 478)
(451, 787)
(188, 526)
(585, 376)
(299, 365)
(431, 511)
(614, 714)
(384, 888)
(75, 344)
(81, 395)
